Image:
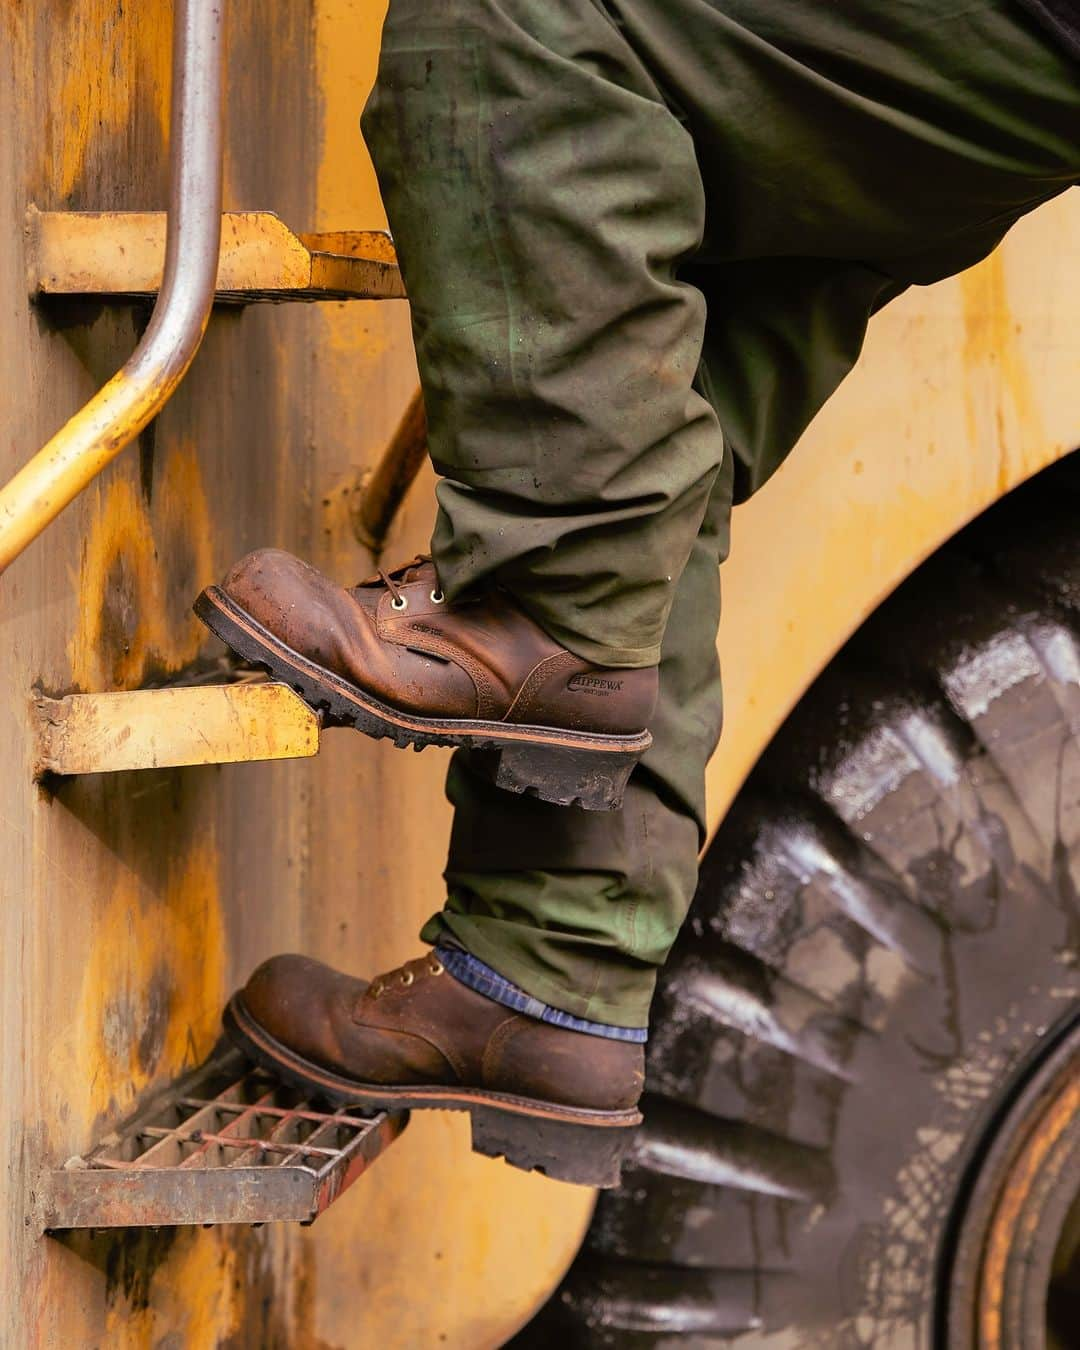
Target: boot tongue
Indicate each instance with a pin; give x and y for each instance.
(420, 568)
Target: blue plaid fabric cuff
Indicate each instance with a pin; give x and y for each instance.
(471, 971)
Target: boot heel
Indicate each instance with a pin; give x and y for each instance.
(587, 1155)
(566, 775)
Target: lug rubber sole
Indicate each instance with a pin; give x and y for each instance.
(564, 767)
(566, 1143)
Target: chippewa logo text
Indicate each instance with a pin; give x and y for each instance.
(594, 684)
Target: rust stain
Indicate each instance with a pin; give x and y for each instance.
(131, 1260)
(114, 583)
(114, 926)
(141, 566)
(199, 1297)
(1000, 405)
(91, 107)
(152, 986)
(183, 532)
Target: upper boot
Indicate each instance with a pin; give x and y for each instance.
(393, 657)
(544, 1097)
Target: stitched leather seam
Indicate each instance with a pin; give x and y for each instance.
(505, 1031)
(455, 1062)
(404, 634)
(451, 1056)
(423, 640)
(538, 675)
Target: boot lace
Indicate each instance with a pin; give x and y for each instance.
(392, 578)
(406, 974)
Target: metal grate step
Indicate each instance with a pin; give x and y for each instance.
(226, 1143)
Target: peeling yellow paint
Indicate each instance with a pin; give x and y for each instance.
(122, 253)
(181, 726)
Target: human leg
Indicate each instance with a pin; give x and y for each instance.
(580, 908)
(783, 331)
(541, 196)
(787, 321)
(847, 151)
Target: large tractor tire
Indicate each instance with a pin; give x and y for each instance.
(862, 1119)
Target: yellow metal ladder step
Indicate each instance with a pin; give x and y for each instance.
(121, 254)
(249, 719)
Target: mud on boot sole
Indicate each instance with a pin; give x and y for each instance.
(566, 1143)
(582, 1154)
(564, 767)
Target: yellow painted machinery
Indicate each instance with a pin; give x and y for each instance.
(863, 1121)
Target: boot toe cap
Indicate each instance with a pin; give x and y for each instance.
(299, 1001)
(279, 986)
(267, 583)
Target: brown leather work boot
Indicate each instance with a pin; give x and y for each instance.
(545, 1098)
(393, 658)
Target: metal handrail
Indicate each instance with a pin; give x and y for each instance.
(137, 393)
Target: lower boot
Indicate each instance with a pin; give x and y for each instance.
(393, 657)
(544, 1098)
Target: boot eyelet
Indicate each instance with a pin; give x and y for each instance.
(399, 605)
(437, 598)
(436, 967)
(407, 977)
(376, 991)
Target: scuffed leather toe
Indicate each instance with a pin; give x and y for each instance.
(301, 1003)
(419, 1025)
(266, 582)
(299, 605)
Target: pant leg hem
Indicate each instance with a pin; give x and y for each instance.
(511, 967)
(599, 653)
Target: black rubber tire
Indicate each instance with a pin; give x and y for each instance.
(885, 938)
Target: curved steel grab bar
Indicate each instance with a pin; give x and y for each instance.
(119, 411)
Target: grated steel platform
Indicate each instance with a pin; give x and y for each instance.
(227, 1143)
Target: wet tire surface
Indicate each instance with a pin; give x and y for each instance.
(886, 935)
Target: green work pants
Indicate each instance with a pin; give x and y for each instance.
(642, 240)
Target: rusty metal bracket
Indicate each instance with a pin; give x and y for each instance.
(225, 1144)
(121, 254)
(379, 493)
(162, 728)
